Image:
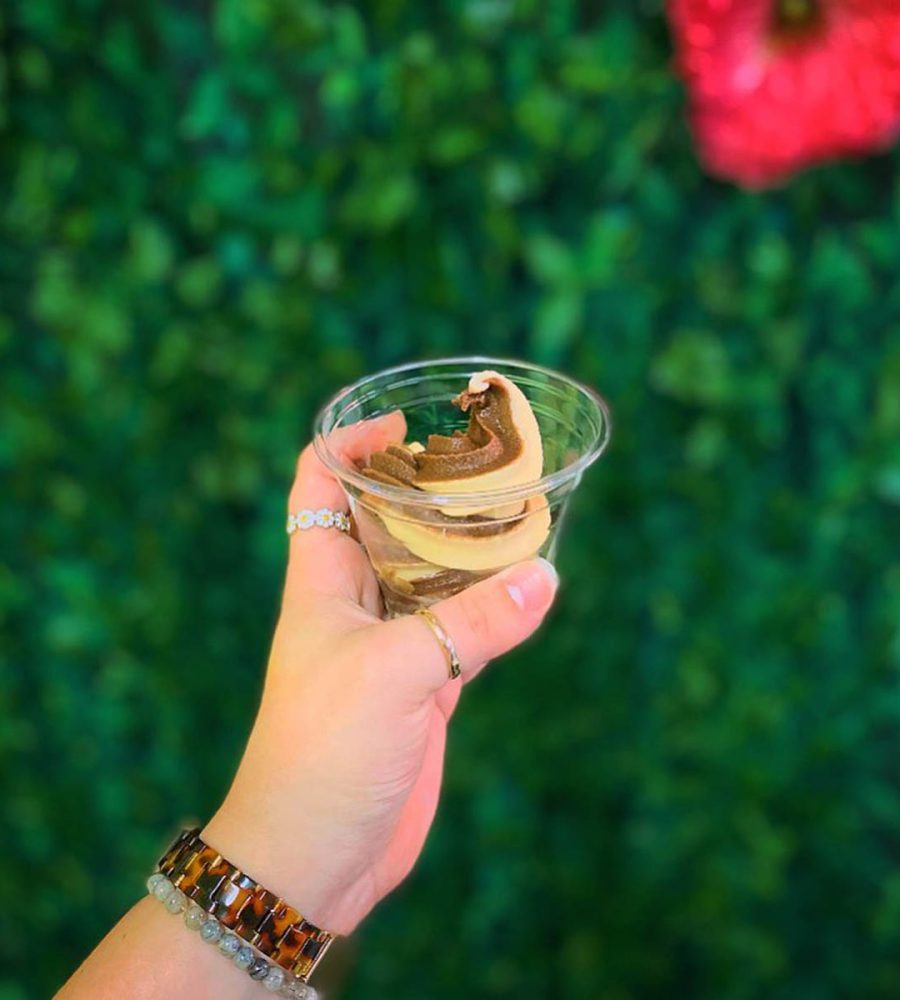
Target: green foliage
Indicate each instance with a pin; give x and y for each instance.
(214, 215)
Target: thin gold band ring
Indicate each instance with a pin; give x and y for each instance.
(446, 643)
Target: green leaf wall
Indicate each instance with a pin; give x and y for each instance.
(214, 214)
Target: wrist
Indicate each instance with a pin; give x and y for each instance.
(231, 908)
(289, 863)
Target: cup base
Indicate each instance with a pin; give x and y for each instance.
(398, 605)
(404, 596)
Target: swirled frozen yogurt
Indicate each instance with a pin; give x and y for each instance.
(432, 551)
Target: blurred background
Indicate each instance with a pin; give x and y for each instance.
(213, 215)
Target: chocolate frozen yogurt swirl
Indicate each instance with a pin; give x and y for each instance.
(500, 448)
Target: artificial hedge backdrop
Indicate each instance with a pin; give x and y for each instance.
(214, 214)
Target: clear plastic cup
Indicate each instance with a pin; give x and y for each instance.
(426, 546)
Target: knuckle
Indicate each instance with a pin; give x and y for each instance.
(477, 616)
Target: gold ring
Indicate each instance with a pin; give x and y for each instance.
(446, 643)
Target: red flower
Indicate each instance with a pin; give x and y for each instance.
(776, 85)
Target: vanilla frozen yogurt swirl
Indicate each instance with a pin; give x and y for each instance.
(500, 448)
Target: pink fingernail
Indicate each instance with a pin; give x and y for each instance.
(531, 585)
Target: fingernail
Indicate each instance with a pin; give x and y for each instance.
(531, 585)
(550, 570)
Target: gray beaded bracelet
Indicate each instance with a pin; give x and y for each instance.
(270, 976)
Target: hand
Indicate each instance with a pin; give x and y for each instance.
(341, 776)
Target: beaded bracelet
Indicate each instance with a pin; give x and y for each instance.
(271, 977)
(241, 904)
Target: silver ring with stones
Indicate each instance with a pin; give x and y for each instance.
(324, 517)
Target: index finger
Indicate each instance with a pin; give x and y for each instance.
(315, 485)
(316, 553)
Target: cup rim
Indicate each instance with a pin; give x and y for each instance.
(487, 498)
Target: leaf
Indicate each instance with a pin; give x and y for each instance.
(556, 323)
(550, 260)
(198, 282)
(151, 251)
(694, 368)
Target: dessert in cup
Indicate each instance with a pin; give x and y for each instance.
(491, 453)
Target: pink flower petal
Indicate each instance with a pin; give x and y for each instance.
(764, 106)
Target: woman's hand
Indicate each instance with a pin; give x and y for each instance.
(341, 777)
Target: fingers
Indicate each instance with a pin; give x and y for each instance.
(314, 486)
(324, 559)
(483, 621)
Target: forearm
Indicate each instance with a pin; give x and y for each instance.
(151, 954)
(340, 780)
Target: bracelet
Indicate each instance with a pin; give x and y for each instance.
(240, 904)
(271, 977)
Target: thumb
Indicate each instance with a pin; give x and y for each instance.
(483, 621)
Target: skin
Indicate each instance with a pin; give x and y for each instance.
(341, 776)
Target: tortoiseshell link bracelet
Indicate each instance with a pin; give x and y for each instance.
(231, 901)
